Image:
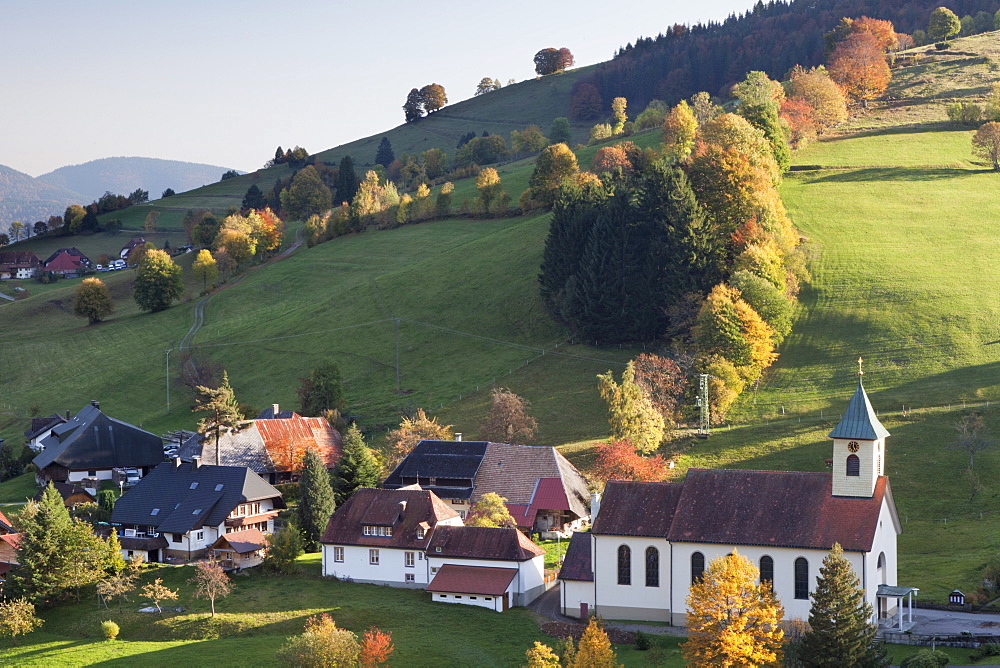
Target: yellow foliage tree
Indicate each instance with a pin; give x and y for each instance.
(541, 656)
(411, 431)
(729, 327)
(733, 620)
(632, 415)
(678, 131)
(594, 650)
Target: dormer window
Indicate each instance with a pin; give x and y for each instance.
(194, 485)
(421, 533)
(370, 530)
(154, 511)
(218, 488)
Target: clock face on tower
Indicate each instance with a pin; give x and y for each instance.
(853, 446)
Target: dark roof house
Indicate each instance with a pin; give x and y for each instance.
(67, 261)
(404, 510)
(92, 441)
(492, 543)
(72, 495)
(18, 264)
(447, 468)
(177, 497)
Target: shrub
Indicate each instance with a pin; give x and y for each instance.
(109, 629)
(642, 641)
(941, 46)
(985, 650)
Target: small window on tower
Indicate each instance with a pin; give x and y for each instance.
(853, 465)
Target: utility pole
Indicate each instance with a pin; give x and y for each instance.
(397, 354)
(704, 413)
(168, 380)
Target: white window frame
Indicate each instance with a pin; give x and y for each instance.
(410, 577)
(409, 560)
(373, 557)
(338, 554)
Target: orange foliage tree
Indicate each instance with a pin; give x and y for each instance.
(797, 113)
(610, 158)
(821, 93)
(858, 64)
(729, 327)
(618, 460)
(376, 647)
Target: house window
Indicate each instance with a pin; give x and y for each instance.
(201, 535)
(368, 530)
(178, 538)
(473, 598)
(91, 474)
(624, 565)
(154, 511)
(487, 598)
(194, 485)
(457, 596)
(434, 570)
(853, 465)
(697, 567)
(421, 532)
(408, 559)
(410, 577)
(373, 557)
(652, 567)
(338, 554)
(767, 570)
(801, 578)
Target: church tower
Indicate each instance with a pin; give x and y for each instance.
(858, 447)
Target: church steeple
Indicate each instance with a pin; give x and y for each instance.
(858, 446)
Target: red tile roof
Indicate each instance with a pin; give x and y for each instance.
(502, 544)
(15, 259)
(4, 522)
(523, 514)
(779, 508)
(242, 542)
(382, 507)
(287, 440)
(637, 508)
(64, 261)
(472, 580)
(12, 539)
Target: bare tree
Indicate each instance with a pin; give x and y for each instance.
(973, 436)
(508, 420)
(211, 582)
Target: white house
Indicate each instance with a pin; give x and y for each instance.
(650, 541)
(409, 537)
(180, 509)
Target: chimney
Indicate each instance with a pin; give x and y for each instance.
(402, 509)
(96, 404)
(67, 415)
(458, 436)
(275, 409)
(177, 462)
(595, 505)
(197, 461)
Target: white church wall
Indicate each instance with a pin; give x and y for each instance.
(635, 600)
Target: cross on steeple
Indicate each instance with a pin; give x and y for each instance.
(860, 372)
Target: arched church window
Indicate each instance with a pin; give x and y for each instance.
(624, 565)
(767, 570)
(697, 566)
(853, 465)
(801, 578)
(652, 567)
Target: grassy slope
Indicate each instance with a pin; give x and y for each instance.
(424, 633)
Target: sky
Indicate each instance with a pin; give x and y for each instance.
(225, 83)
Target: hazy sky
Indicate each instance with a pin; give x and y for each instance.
(224, 83)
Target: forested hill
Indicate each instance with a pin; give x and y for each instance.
(772, 37)
(27, 199)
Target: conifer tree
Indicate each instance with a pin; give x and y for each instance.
(317, 502)
(321, 390)
(384, 155)
(224, 410)
(841, 629)
(357, 467)
(347, 181)
(594, 650)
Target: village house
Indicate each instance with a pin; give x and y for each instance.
(40, 429)
(272, 448)
(650, 541)
(409, 537)
(19, 264)
(88, 448)
(545, 493)
(180, 510)
(67, 262)
(72, 495)
(132, 244)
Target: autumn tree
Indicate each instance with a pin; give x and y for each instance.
(116, 586)
(151, 222)
(222, 408)
(156, 591)
(411, 431)
(284, 546)
(760, 100)
(321, 644)
(91, 300)
(586, 102)
(158, 282)
(618, 115)
(490, 195)
(798, 116)
(357, 467)
(205, 267)
(732, 620)
(317, 504)
(210, 582)
(490, 511)
(858, 64)
(541, 656)
(652, 116)
(611, 159)
(527, 141)
(306, 195)
(661, 380)
(943, 24)
(433, 97)
(986, 143)
(727, 326)
(487, 85)
(376, 648)
(508, 420)
(4, 239)
(594, 649)
(973, 436)
(618, 460)
(631, 414)
(556, 164)
(678, 132)
(551, 60)
(17, 618)
(841, 632)
(413, 108)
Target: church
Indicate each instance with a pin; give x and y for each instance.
(651, 540)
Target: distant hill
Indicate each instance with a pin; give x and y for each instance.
(28, 199)
(123, 175)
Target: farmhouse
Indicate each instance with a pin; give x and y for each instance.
(19, 264)
(544, 492)
(68, 262)
(650, 541)
(41, 428)
(181, 509)
(410, 538)
(132, 244)
(90, 445)
(272, 448)
(72, 495)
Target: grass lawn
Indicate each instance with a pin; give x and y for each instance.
(16, 490)
(254, 621)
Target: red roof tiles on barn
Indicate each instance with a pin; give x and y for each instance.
(402, 509)
(472, 580)
(502, 544)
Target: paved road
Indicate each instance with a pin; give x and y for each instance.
(946, 622)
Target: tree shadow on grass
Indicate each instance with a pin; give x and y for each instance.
(875, 174)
